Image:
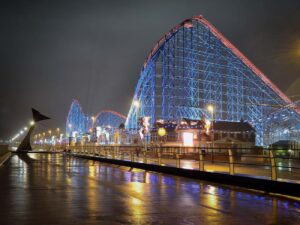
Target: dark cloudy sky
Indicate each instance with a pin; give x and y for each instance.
(92, 50)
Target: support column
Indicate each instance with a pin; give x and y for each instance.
(273, 166)
(231, 162)
(178, 160)
(201, 161)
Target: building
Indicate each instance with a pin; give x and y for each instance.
(196, 133)
(224, 134)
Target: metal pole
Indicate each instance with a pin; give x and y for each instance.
(144, 157)
(273, 166)
(201, 161)
(178, 160)
(231, 162)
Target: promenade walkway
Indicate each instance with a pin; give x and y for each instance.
(57, 189)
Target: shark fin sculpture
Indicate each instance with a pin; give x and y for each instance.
(25, 145)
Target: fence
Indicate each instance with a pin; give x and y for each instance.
(281, 165)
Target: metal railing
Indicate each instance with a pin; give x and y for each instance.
(282, 165)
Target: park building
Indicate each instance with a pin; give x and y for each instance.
(196, 133)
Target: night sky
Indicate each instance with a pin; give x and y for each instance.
(54, 51)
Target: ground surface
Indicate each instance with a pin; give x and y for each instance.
(55, 189)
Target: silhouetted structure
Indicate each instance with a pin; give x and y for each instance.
(25, 144)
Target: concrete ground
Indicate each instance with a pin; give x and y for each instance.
(57, 189)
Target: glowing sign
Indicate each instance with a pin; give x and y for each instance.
(188, 139)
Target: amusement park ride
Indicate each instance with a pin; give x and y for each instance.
(191, 67)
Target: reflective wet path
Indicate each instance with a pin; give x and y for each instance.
(55, 189)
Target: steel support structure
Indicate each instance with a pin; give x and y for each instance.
(109, 118)
(193, 66)
(81, 123)
(77, 120)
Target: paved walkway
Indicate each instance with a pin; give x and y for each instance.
(55, 189)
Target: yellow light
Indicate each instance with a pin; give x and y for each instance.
(136, 103)
(49, 131)
(188, 139)
(161, 131)
(210, 108)
(93, 119)
(25, 128)
(207, 125)
(57, 129)
(31, 122)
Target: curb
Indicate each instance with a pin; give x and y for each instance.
(4, 158)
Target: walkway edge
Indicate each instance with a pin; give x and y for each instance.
(4, 158)
(269, 186)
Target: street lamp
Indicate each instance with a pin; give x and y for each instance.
(136, 104)
(211, 109)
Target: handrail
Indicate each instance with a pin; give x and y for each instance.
(271, 164)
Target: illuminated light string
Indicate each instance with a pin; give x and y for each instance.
(21, 132)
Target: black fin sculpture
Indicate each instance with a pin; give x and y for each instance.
(25, 145)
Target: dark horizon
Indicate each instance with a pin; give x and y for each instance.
(53, 52)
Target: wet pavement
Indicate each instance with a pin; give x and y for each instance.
(56, 189)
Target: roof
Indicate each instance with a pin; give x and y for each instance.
(284, 142)
(168, 126)
(186, 123)
(232, 126)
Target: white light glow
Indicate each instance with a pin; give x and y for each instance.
(136, 103)
(188, 139)
(210, 108)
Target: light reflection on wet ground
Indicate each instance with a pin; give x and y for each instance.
(54, 189)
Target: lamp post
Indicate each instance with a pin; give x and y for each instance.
(210, 108)
(93, 120)
(69, 134)
(161, 133)
(92, 129)
(136, 104)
